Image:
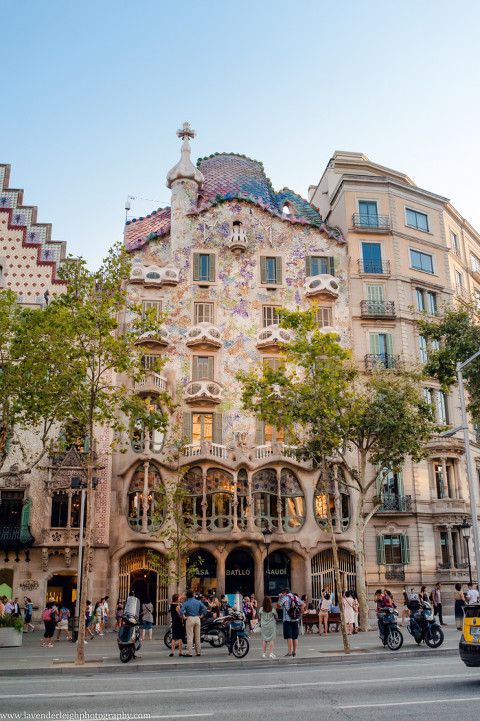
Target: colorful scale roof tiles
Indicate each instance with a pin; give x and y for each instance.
(231, 177)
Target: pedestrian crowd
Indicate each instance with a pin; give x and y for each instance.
(461, 599)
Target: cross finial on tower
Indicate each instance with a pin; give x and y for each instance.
(186, 132)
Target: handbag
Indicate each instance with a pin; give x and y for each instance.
(256, 627)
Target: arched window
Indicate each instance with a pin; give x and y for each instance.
(293, 505)
(192, 487)
(155, 510)
(242, 499)
(264, 497)
(320, 502)
(219, 491)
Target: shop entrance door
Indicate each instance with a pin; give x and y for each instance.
(141, 571)
(63, 588)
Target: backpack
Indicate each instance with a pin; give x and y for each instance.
(295, 610)
(47, 614)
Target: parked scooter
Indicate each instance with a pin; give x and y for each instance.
(237, 637)
(388, 629)
(129, 632)
(212, 631)
(224, 631)
(422, 625)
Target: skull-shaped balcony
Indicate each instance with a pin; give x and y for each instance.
(204, 336)
(157, 339)
(154, 275)
(151, 384)
(323, 285)
(272, 337)
(203, 393)
(238, 239)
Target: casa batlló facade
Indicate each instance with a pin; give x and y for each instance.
(219, 263)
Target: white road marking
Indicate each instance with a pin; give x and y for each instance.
(412, 703)
(238, 687)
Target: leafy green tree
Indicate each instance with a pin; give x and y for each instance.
(371, 423)
(100, 330)
(32, 382)
(303, 396)
(457, 335)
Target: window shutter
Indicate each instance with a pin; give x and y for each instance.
(217, 428)
(195, 369)
(375, 292)
(389, 343)
(405, 548)
(263, 269)
(260, 432)
(25, 518)
(374, 344)
(188, 426)
(278, 270)
(308, 266)
(380, 549)
(196, 266)
(211, 268)
(331, 264)
(210, 368)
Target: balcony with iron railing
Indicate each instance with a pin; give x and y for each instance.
(395, 572)
(396, 503)
(377, 308)
(372, 222)
(374, 267)
(462, 293)
(381, 360)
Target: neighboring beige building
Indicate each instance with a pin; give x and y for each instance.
(410, 251)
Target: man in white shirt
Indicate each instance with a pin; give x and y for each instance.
(472, 594)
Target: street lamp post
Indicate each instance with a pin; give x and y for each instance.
(468, 457)
(77, 483)
(267, 538)
(465, 529)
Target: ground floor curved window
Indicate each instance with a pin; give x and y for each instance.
(146, 499)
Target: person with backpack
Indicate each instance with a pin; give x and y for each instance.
(49, 617)
(292, 612)
(62, 624)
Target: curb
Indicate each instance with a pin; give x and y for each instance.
(355, 657)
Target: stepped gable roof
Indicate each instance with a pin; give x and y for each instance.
(228, 176)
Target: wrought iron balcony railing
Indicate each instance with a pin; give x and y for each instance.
(395, 572)
(375, 267)
(378, 308)
(397, 503)
(362, 220)
(381, 360)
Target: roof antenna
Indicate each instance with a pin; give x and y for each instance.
(128, 205)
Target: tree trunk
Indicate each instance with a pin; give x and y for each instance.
(336, 569)
(80, 657)
(338, 581)
(363, 621)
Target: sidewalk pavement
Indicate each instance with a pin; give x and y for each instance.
(102, 655)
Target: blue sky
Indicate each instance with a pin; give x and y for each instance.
(94, 91)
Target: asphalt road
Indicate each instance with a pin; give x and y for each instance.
(396, 690)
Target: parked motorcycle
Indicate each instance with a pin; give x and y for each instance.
(224, 631)
(422, 625)
(388, 629)
(212, 631)
(237, 637)
(129, 632)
